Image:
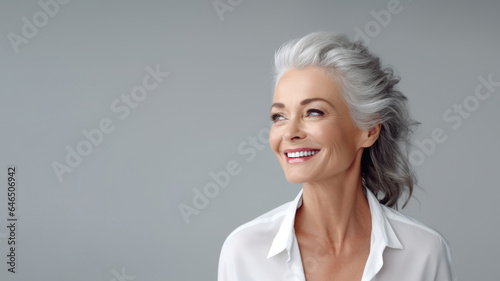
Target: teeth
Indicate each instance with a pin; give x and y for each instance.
(301, 154)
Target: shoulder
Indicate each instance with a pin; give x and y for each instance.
(259, 231)
(412, 232)
(247, 246)
(423, 246)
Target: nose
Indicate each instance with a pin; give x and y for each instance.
(293, 130)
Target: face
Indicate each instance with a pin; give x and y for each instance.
(313, 135)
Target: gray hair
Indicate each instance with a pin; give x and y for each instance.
(369, 92)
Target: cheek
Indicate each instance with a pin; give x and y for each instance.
(333, 138)
(324, 133)
(274, 139)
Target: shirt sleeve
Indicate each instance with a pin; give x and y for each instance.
(227, 269)
(223, 273)
(443, 262)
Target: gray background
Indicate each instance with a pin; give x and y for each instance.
(119, 209)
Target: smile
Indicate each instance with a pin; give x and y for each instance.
(300, 155)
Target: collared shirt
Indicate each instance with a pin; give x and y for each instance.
(401, 248)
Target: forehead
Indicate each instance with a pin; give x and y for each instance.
(309, 82)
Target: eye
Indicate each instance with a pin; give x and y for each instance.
(277, 117)
(314, 112)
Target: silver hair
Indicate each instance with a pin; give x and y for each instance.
(369, 92)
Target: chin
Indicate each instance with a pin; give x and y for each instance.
(297, 178)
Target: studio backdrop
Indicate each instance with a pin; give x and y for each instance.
(134, 134)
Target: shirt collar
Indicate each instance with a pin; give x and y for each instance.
(284, 238)
(382, 233)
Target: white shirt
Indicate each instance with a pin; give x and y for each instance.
(401, 248)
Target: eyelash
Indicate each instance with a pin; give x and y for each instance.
(274, 117)
(316, 111)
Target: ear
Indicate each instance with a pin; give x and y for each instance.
(371, 135)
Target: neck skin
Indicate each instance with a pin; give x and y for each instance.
(335, 212)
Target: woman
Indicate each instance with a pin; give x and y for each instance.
(342, 129)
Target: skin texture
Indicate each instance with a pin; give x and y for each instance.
(333, 225)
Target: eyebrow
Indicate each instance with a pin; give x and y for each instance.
(304, 102)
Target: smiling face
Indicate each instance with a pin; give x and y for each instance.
(313, 135)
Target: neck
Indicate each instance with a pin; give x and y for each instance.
(335, 211)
